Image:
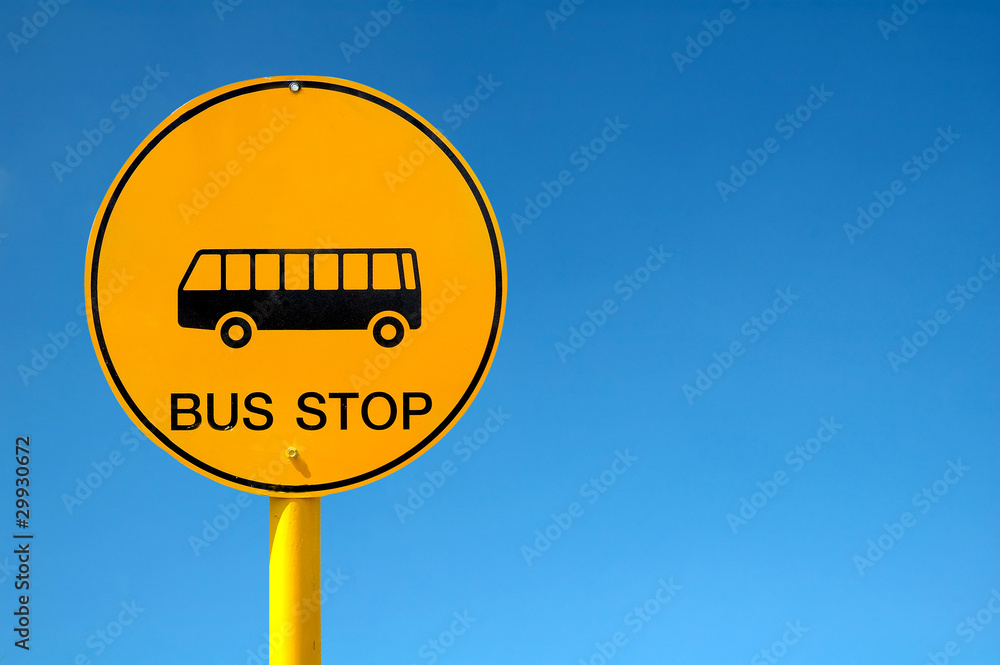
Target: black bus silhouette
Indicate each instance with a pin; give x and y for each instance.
(239, 291)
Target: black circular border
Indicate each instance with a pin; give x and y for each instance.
(497, 311)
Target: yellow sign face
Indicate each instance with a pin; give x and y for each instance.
(296, 285)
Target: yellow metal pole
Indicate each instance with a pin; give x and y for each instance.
(295, 581)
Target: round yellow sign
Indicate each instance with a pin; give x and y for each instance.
(295, 285)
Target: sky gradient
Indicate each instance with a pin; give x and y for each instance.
(747, 375)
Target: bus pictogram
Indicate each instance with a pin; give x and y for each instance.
(303, 289)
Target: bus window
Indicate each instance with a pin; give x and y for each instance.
(409, 277)
(297, 272)
(385, 271)
(355, 271)
(237, 272)
(267, 272)
(207, 274)
(326, 273)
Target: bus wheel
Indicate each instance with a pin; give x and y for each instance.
(235, 331)
(388, 330)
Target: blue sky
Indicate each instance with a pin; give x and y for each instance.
(779, 318)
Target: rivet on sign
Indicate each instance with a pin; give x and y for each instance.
(292, 452)
(294, 86)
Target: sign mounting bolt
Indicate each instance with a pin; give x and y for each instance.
(294, 86)
(292, 453)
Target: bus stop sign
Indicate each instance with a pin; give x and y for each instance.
(295, 285)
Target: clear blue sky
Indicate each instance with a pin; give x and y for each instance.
(790, 314)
